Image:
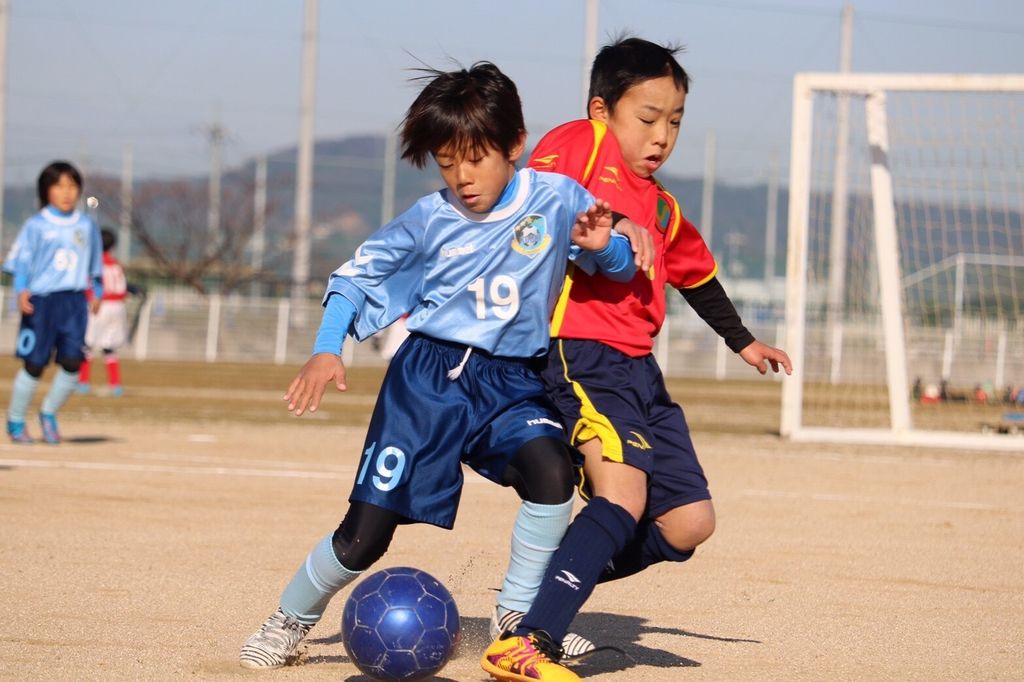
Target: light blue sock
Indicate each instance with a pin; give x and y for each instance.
(318, 579)
(63, 386)
(21, 395)
(535, 536)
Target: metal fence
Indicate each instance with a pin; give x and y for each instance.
(180, 324)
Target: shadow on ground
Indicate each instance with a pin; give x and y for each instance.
(622, 633)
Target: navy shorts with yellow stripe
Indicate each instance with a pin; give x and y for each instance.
(425, 426)
(603, 393)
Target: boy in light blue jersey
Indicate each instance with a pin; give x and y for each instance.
(55, 258)
(478, 267)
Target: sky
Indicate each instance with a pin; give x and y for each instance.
(87, 78)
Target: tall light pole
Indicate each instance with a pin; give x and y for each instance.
(589, 50)
(213, 232)
(259, 220)
(124, 240)
(707, 202)
(304, 172)
(4, 15)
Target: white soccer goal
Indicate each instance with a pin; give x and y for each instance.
(905, 270)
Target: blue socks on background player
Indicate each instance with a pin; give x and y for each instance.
(597, 533)
(64, 384)
(318, 579)
(535, 536)
(648, 547)
(21, 395)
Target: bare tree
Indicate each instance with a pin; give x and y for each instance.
(169, 224)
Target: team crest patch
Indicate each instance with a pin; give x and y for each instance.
(79, 238)
(664, 214)
(531, 235)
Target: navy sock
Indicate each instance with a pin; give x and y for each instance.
(595, 535)
(648, 547)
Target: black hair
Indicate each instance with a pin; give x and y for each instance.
(109, 238)
(627, 61)
(470, 109)
(51, 176)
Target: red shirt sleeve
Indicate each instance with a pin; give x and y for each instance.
(688, 261)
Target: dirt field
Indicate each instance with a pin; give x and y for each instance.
(152, 543)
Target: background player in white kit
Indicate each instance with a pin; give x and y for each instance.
(108, 326)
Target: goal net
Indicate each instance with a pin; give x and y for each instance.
(905, 270)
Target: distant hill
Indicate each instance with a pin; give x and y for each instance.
(348, 177)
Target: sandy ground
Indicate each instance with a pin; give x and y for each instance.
(155, 540)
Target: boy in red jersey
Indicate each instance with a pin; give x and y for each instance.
(648, 497)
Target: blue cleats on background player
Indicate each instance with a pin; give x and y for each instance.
(50, 432)
(18, 434)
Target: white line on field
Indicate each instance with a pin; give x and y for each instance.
(342, 473)
(859, 457)
(166, 469)
(835, 497)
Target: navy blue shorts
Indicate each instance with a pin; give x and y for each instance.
(56, 326)
(604, 393)
(425, 426)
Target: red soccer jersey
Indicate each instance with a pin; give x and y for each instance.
(625, 315)
(115, 286)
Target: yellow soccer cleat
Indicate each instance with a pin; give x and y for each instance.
(512, 658)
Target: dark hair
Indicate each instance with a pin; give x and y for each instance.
(109, 239)
(51, 176)
(628, 61)
(471, 109)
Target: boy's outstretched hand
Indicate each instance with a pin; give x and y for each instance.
(307, 388)
(593, 227)
(756, 353)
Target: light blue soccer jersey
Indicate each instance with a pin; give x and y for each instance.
(57, 252)
(487, 280)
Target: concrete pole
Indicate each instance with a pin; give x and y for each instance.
(707, 204)
(387, 195)
(4, 16)
(124, 240)
(840, 198)
(304, 172)
(589, 49)
(213, 231)
(771, 221)
(259, 220)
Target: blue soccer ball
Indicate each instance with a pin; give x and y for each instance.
(400, 624)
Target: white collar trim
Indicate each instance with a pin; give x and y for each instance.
(58, 219)
(502, 213)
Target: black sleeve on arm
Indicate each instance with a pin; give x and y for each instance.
(710, 301)
(616, 217)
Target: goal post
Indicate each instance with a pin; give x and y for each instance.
(910, 330)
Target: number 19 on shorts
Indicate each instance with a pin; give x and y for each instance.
(388, 465)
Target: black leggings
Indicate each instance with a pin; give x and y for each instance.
(72, 366)
(541, 471)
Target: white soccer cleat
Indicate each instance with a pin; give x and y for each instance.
(274, 644)
(575, 648)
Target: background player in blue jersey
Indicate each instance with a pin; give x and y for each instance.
(478, 268)
(55, 258)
